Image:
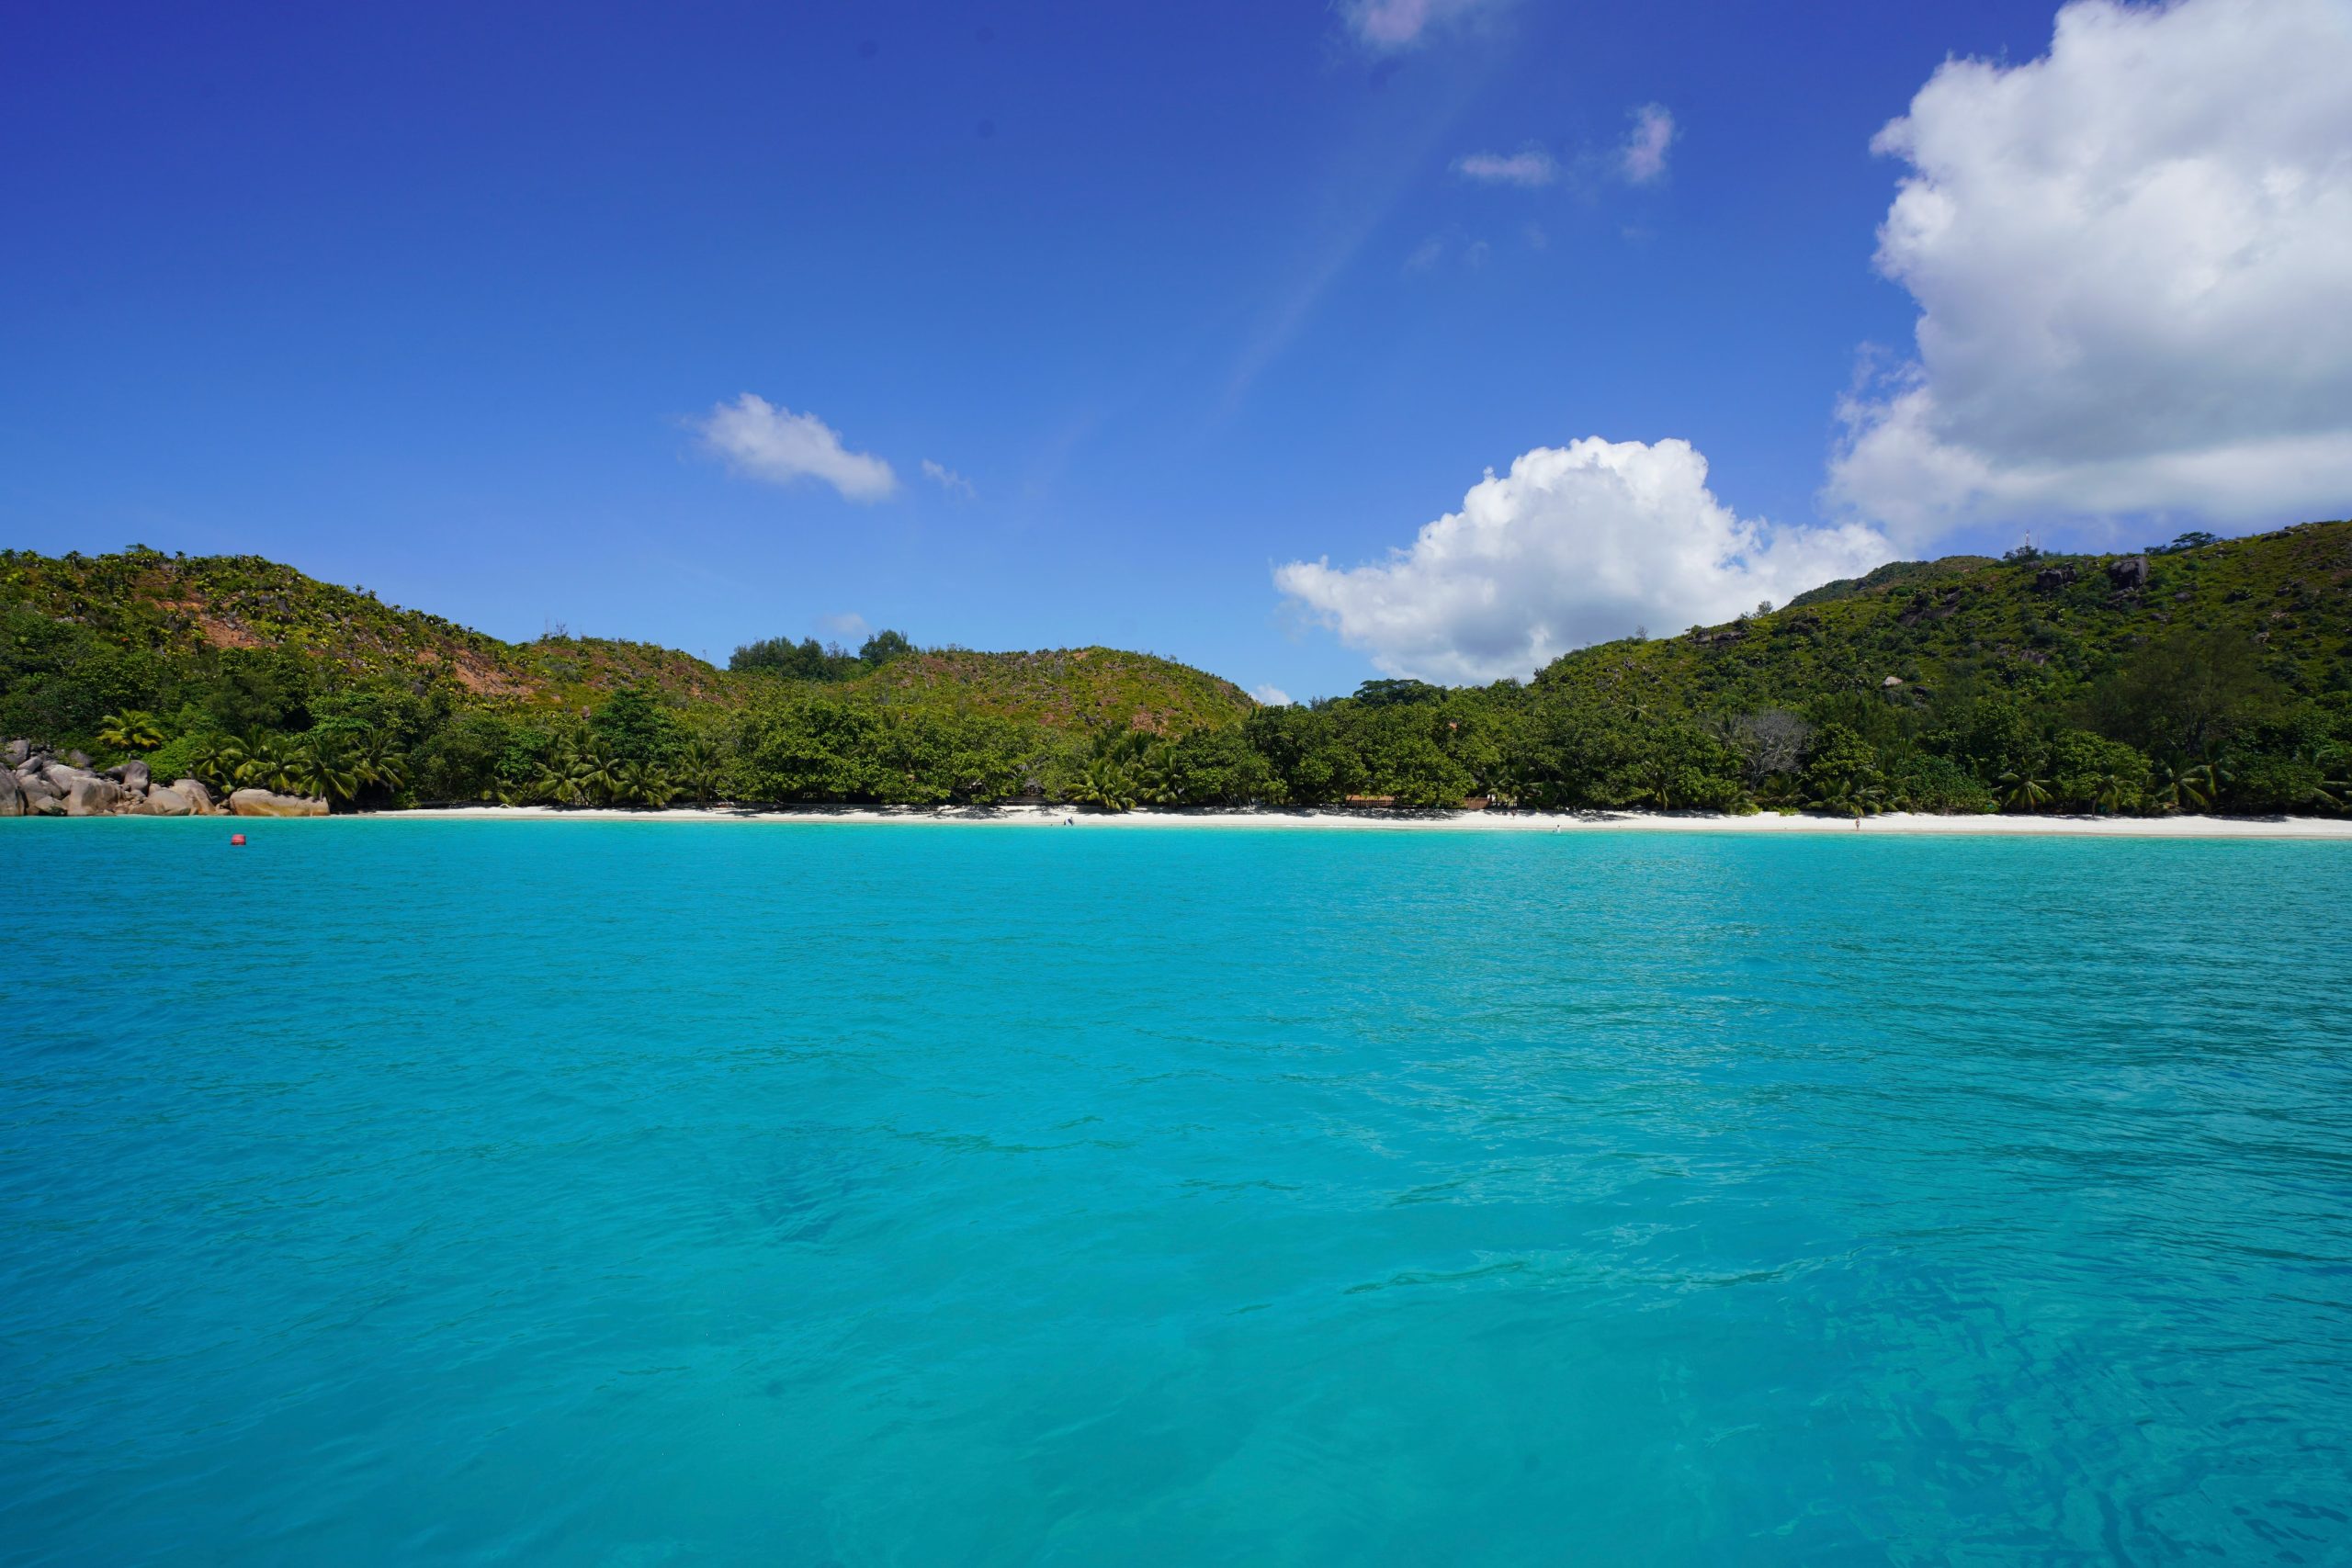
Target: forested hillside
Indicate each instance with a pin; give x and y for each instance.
(246, 670)
(2208, 675)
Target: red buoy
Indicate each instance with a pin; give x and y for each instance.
(236, 838)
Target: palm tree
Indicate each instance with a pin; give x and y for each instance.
(2024, 790)
(1107, 784)
(1160, 783)
(573, 773)
(643, 784)
(2334, 793)
(1505, 783)
(133, 729)
(697, 773)
(1660, 785)
(379, 763)
(1850, 798)
(553, 783)
(2193, 787)
(268, 763)
(598, 774)
(324, 764)
(218, 760)
(2109, 790)
(2165, 791)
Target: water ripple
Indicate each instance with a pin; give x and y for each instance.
(636, 1193)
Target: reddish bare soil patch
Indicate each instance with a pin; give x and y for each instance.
(224, 634)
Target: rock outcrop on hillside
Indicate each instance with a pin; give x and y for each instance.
(34, 783)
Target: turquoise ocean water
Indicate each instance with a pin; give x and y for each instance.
(636, 1193)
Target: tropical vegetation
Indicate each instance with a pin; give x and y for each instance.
(2206, 675)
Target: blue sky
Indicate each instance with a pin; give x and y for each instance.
(443, 300)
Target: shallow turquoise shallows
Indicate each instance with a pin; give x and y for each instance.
(394, 1192)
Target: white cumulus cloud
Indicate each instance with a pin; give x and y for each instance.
(2132, 258)
(1272, 696)
(1641, 158)
(776, 444)
(1529, 166)
(1577, 544)
(1388, 26)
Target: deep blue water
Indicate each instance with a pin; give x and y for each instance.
(634, 1193)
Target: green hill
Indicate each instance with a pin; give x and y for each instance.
(2056, 621)
(177, 612)
(1079, 688)
(162, 616)
(2212, 676)
(240, 647)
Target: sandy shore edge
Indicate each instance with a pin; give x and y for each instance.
(1433, 821)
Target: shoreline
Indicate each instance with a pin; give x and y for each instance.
(1325, 819)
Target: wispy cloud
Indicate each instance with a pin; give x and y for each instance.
(949, 480)
(1387, 27)
(758, 438)
(1426, 255)
(1529, 167)
(1641, 158)
(847, 627)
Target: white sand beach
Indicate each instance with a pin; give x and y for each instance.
(1389, 821)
